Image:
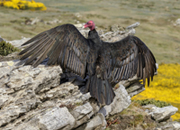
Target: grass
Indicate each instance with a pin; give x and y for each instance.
(152, 101)
(156, 28)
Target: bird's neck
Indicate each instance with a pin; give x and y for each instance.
(93, 35)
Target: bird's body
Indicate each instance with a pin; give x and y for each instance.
(104, 63)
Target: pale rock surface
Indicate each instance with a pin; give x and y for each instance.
(170, 126)
(55, 21)
(162, 114)
(177, 22)
(1, 39)
(57, 118)
(163, 117)
(18, 43)
(98, 120)
(135, 88)
(133, 25)
(120, 102)
(79, 25)
(33, 99)
(82, 113)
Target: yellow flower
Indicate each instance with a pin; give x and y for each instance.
(165, 87)
(23, 4)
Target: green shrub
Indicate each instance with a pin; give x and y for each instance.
(7, 48)
(152, 101)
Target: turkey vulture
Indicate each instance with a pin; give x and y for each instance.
(104, 63)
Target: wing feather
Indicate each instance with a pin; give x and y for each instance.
(63, 45)
(130, 56)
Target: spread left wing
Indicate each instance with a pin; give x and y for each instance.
(124, 59)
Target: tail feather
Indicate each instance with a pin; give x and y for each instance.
(101, 90)
(98, 88)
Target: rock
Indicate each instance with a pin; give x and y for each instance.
(20, 87)
(98, 120)
(117, 33)
(130, 81)
(3, 97)
(170, 126)
(132, 31)
(18, 43)
(133, 25)
(138, 127)
(149, 106)
(1, 39)
(157, 69)
(78, 15)
(50, 119)
(84, 33)
(56, 118)
(27, 91)
(13, 56)
(121, 101)
(55, 21)
(79, 25)
(32, 21)
(114, 28)
(162, 114)
(6, 68)
(177, 22)
(135, 88)
(81, 111)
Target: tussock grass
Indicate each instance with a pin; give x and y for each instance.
(7, 48)
(152, 101)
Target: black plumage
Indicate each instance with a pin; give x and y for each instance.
(104, 63)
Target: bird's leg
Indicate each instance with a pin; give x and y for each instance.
(73, 78)
(85, 88)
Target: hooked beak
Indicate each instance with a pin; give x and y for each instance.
(85, 25)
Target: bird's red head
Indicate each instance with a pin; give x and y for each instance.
(90, 24)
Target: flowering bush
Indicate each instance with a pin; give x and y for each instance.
(23, 4)
(165, 87)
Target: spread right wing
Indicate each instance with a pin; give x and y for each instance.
(63, 45)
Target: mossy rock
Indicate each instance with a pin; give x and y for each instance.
(152, 101)
(7, 48)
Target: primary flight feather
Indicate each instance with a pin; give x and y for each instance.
(104, 63)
